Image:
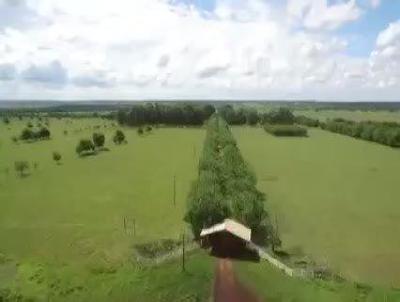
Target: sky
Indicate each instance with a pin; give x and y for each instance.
(326, 50)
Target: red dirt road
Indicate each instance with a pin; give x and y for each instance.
(227, 288)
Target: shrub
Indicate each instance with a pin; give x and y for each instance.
(85, 146)
(6, 120)
(27, 134)
(98, 139)
(140, 131)
(119, 137)
(149, 128)
(56, 157)
(157, 248)
(43, 133)
(285, 130)
(21, 167)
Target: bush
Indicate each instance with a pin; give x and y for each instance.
(285, 130)
(84, 147)
(6, 120)
(157, 248)
(140, 131)
(148, 128)
(56, 157)
(98, 139)
(119, 137)
(29, 134)
(21, 167)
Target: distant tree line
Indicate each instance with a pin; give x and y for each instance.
(385, 133)
(226, 187)
(174, 114)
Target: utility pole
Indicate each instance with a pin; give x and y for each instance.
(174, 190)
(183, 252)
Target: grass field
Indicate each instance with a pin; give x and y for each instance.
(334, 198)
(75, 210)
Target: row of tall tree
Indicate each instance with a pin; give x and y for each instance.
(386, 133)
(173, 114)
(226, 187)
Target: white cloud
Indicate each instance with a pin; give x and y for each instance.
(375, 3)
(152, 49)
(318, 14)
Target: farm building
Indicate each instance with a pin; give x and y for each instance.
(228, 239)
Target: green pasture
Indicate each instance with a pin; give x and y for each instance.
(333, 197)
(273, 286)
(76, 210)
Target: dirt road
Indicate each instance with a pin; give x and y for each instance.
(227, 288)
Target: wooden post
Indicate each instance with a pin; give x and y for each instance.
(174, 190)
(124, 224)
(134, 227)
(183, 252)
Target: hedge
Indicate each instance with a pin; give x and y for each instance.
(226, 187)
(285, 130)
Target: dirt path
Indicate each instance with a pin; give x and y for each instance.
(227, 288)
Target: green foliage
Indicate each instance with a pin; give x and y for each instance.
(148, 128)
(85, 146)
(307, 121)
(157, 248)
(29, 134)
(225, 187)
(98, 139)
(119, 137)
(56, 156)
(240, 116)
(6, 120)
(285, 130)
(281, 116)
(385, 133)
(21, 167)
(175, 114)
(140, 131)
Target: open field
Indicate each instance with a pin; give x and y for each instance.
(334, 198)
(75, 210)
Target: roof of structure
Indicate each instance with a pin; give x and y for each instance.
(231, 226)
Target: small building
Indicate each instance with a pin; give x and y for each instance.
(227, 239)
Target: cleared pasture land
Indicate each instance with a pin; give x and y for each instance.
(335, 198)
(75, 210)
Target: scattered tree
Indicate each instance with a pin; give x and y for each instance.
(119, 137)
(140, 131)
(6, 120)
(98, 139)
(21, 167)
(84, 146)
(56, 157)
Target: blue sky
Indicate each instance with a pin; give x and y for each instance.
(212, 49)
